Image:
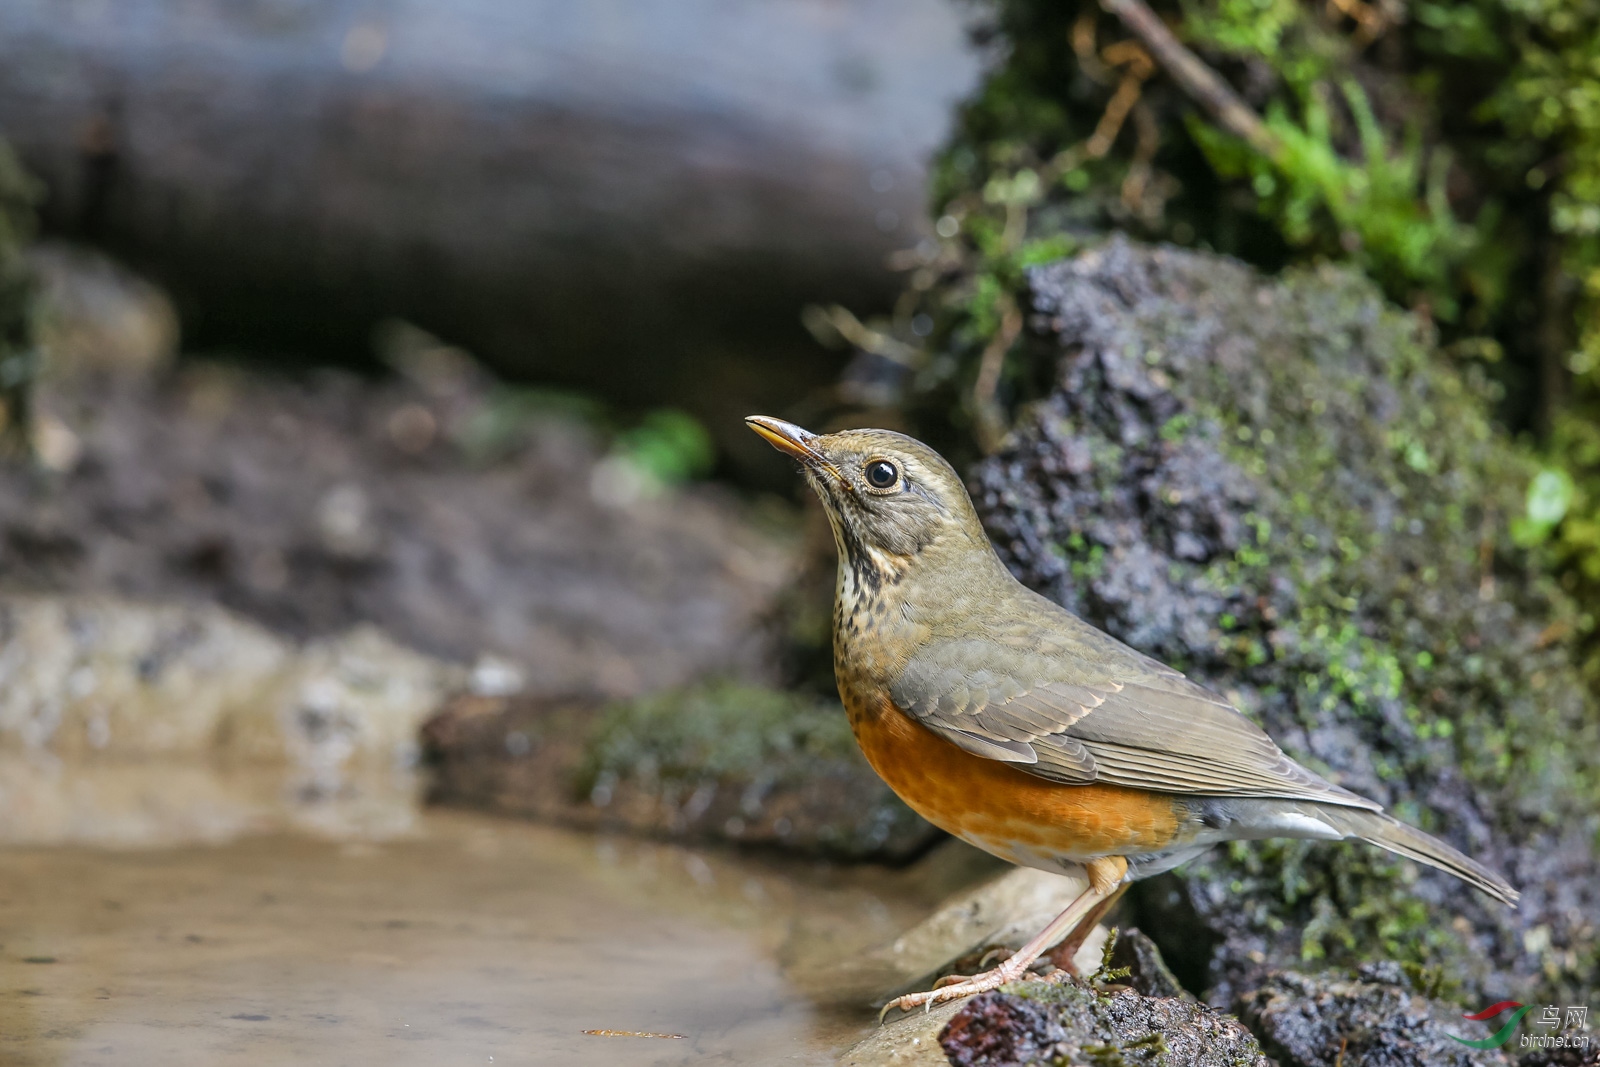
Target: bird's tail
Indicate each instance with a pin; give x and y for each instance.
(1384, 831)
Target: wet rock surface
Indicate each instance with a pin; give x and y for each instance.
(217, 587)
(93, 315)
(129, 723)
(119, 680)
(1377, 1020)
(737, 764)
(1134, 1011)
(1277, 486)
(1071, 1023)
(970, 930)
(1148, 973)
(458, 515)
(910, 1041)
(964, 934)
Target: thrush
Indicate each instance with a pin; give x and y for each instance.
(1007, 721)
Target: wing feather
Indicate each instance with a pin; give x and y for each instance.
(1114, 716)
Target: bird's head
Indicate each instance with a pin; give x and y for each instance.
(889, 497)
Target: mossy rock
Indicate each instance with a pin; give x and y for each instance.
(1450, 151)
(1278, 486)
(752, 765)
(1381, 1017)
(1076, 1023)
(719, 762)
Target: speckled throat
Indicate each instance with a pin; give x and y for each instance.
(867, 602)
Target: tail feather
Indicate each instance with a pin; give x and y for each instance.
(1387, 832)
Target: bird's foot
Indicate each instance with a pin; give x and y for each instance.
(955, 986)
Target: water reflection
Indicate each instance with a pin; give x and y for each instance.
(45, 800)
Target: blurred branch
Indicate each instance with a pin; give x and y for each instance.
(1083, 45)
(1137, 68)
(1116, 113)
(1368, 18)
(840, 322)
(1202, 83)
(1144, 154)
(991, 422)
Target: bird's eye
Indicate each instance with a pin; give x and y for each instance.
(881, 474)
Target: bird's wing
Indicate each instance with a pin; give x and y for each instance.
(1099, 713)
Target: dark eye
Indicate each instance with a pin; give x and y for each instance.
(881, 474)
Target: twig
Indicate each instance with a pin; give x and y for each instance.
(1083, 44)
(1098, 66)
(864, 337)
(1139, 66)
(1193, 76)
(1486, 556)
(1144, 153)
(1122, 101)
(990, 424)
(1133, 54)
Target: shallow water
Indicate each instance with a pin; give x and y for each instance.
(468, 941)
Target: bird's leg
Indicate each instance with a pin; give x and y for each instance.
(1105, 880)
(1062, 955)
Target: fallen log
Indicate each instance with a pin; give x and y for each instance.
(625, 198)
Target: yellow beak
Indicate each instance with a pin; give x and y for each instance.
(786, 437)
(791, 439)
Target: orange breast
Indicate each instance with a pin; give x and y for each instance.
(1001, 809)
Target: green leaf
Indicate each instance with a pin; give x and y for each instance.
(1549, 497)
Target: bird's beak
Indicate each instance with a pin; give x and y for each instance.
(788, 438)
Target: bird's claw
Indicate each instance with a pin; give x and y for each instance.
(956, 988)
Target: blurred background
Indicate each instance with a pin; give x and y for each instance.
(406, 653)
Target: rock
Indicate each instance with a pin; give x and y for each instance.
(1035, 1022)
(999, 915)
(1148, 973)
(728, 763)
(909, 1041)
(1071, 1023)
(95, 315)
(131, 723)
(968, 931)
(94, 676)
(1377, 1021)
(1277, 486)
(460, 516)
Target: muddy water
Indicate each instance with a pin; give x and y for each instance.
(467, 941)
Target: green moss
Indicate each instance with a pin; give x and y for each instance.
(1380, 632)
(747, 765)
(722, 730)
(1423, 150)
(1363, 634)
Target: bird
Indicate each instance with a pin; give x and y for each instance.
(1007, 721)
